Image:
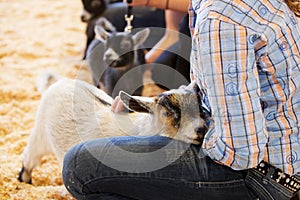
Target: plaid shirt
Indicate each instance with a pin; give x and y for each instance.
(245, 57)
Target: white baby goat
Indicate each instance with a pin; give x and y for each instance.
(72, 111)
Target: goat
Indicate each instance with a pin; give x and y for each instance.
(116, 60)
(72, 111)
(92, 10)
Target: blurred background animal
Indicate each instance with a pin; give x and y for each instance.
(92, 10)
(117, 59)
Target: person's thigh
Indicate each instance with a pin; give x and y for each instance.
(148, 168)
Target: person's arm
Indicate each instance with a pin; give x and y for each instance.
(177, 5)
(226, 65)
(173, 19)
(174, 12)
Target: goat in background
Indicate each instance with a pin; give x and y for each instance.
(92, 10)
(117, 60)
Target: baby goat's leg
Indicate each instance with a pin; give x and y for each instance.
(36, 148)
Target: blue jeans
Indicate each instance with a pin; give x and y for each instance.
(152, 168)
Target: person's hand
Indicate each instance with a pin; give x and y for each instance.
(118, 105)
(137, 2)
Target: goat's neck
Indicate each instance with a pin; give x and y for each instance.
(125, 123)
(145, 124)
(138, 123)
(125, 68)
(139, 57)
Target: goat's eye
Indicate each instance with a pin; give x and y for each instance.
(167, 114)
(125, 44)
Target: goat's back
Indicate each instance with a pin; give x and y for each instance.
(67, 107)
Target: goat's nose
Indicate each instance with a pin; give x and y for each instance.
(83, 18)
(107, 55)
(110, 54)
(201, 130)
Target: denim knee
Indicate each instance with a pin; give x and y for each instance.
(70, 180)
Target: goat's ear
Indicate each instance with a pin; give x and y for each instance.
(140, 37)
(104, 29)
(137, 103)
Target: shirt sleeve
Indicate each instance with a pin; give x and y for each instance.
(226, 66)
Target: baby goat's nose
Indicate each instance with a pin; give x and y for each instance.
(110, 54)
(201, 130)
(107, 55)
(82, 17)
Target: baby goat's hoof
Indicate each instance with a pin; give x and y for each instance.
(25, 176)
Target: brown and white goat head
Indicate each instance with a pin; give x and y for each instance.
(175, 115)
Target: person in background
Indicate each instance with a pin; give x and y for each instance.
(245, 59)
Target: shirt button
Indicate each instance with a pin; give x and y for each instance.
(283, 46)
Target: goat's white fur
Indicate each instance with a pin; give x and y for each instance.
(70, 112)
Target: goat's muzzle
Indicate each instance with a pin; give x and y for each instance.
(201, 131)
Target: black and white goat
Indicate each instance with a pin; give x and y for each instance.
(92, 10)
(116, 60)
(72, 111)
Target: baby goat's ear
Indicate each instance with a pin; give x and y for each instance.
(137, 103)
(104, 29)
(140, 37)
